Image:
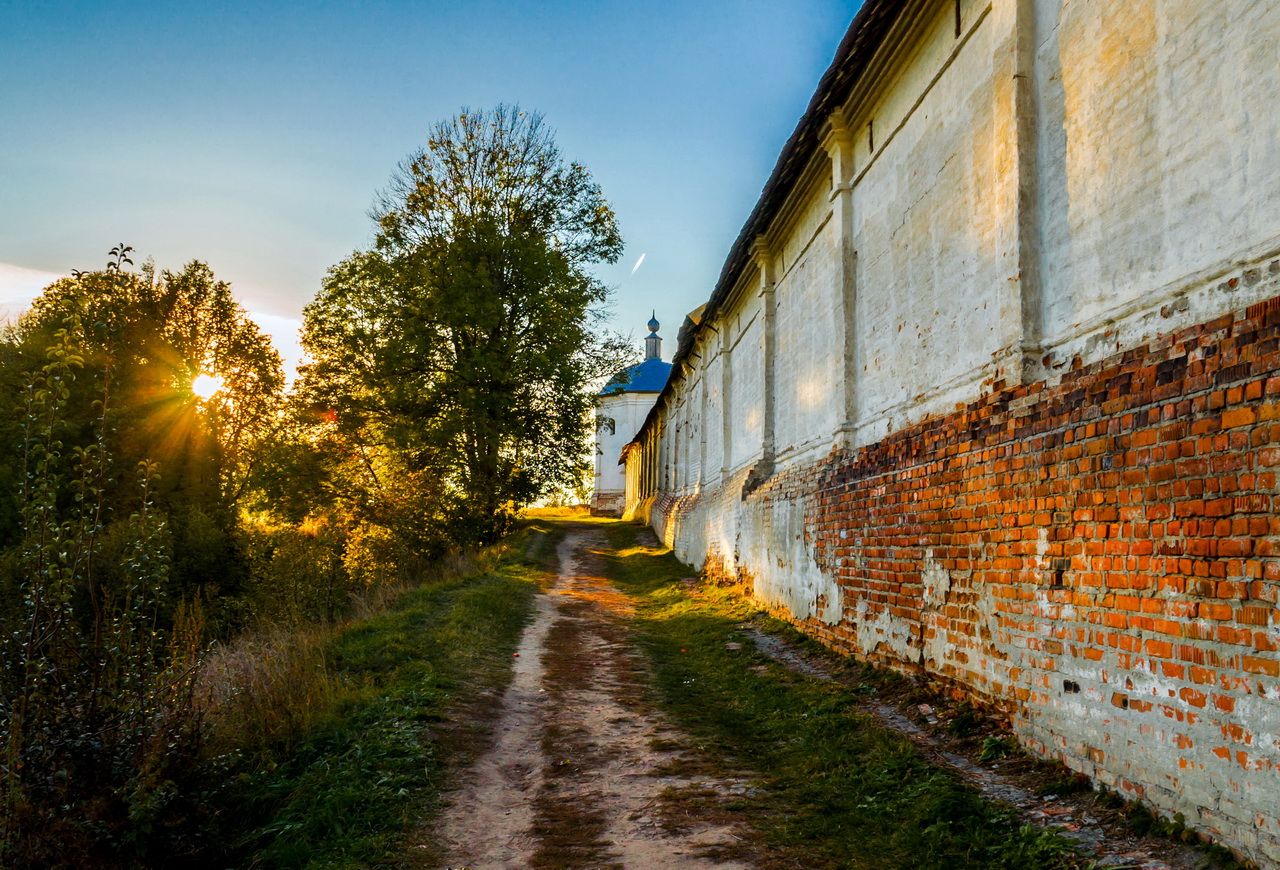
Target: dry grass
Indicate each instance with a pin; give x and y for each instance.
(261, 694)
(264, 692)
(564, 512)
(377, 600)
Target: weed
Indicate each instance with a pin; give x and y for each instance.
(998, 746)
(1059, 779)
(965, 722)
(1108, 799)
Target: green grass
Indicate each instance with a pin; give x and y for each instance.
(372, 768)
(838, 790)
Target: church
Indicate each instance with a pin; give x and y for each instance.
(622, 407)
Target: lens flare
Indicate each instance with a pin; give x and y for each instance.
(206, 386)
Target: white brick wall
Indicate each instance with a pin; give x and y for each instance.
(1062, 180)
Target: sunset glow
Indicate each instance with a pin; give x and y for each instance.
(206, 386)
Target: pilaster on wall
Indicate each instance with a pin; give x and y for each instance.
(766, 260)
(1026, 148)
(704, 476)
(726, 412)
(837, 140)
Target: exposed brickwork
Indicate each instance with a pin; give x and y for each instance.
(1097, 557)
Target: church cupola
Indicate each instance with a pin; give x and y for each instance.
(653, 341)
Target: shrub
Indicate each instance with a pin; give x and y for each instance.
(99, 736)
(298, 573)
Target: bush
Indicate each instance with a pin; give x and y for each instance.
(298, 574)
(99, 736)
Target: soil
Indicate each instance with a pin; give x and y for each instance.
(575, 768)
(582, 771)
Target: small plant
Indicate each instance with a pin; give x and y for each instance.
(1030, 846)
(1062, 780)
(998, 746)
(1109, 799)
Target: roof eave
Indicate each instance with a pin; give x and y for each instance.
(865, 35)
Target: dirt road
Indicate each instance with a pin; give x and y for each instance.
(580, 763)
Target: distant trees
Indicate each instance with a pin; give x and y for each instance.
(457, 354)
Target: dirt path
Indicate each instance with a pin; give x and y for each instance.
(580, 764)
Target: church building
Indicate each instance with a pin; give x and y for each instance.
(623, 406)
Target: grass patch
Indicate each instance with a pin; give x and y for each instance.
(836, 789)
(372, 762)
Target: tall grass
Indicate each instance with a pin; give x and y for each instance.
(327, 732)
(264, 692)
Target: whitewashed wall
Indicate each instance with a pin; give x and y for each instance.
(1159, 148)
(1058, 180)
(625, 412)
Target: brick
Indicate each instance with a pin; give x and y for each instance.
(1258, 665)
(1138, 536)
(1239, 417)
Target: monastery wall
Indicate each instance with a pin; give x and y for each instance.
(995, 398)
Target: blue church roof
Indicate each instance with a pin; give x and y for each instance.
(649, 376)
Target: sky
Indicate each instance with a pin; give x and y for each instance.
(255, 136)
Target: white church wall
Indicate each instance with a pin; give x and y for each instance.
(938, 310)
(809, 363)
(625, 412)
(746, 394)
(1159, 159)
(712, 377)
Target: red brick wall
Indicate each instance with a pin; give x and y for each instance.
(1095, 556)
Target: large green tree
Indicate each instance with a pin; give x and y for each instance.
(468, 338)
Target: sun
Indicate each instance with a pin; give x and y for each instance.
(206, 386)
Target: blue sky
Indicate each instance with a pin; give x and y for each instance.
(255, 136)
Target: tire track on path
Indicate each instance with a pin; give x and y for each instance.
(579, 764)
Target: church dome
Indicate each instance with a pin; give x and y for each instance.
(649, 376)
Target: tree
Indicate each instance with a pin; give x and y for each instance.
(156, 335)
(145, 338)
(467, 339)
